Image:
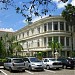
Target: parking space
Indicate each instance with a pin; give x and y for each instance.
(45, 72)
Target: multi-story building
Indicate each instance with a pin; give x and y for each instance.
(35, 37)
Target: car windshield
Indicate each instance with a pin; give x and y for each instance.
(52, 59)
(34, 60)
(18, 60)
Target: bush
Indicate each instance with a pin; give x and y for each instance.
(2, 62)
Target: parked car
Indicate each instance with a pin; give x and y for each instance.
(14, 64)
(33, 63)
(67, 62)
(73, 60)
(52, 63)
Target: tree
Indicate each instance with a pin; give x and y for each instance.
(2, 48)
(17, 47)
(30, 7)
(69, 15)
(55, 46)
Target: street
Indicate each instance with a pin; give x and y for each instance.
(46, 72)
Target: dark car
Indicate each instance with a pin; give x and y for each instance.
(67, 62)
(74, 61)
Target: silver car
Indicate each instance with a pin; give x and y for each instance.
(14, 64)
(33, 63)
(51, 63)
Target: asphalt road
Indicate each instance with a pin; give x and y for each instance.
(46, 72)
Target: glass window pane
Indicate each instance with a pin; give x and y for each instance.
(45, 27)
(67, 27)
(49, 39)
(49, 25)
(38, 29)
(55, 25)
(61, 25)
(67, 41)
(62, 40)
(44, 41)
(56, 38)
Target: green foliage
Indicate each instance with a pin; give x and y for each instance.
(55, 45)
(2, 49)
(2, 60)
(69, 14)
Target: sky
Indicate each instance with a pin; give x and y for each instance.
(12, 21)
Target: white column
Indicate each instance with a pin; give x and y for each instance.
(65, 41)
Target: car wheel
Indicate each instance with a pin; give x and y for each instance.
(30, 68)
(10, 69)
(42, 69)
(23, 70)
(4, 68)
(47, 67)
(72, 67)
(64, 66)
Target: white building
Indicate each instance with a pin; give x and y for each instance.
(35, 37)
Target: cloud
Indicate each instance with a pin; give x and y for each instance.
(6, 29)
(60, 4)
(38, 18)
(73, 2)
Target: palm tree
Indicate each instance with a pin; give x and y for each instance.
(69, 14)
(17, 47)
(55, 46)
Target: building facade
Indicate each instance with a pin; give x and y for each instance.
(36, 36)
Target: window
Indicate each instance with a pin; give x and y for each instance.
(61, 25)
(23, 34)
(67, 27)
(38, 44)
(67, 41)
(8, 60)
(49, 39)
(45, 27)
(38, 29)
(49, 25)
(32, 31)
(18, 60)
(46, 60)
(62, 40)
(56, 38)
(27, 33)
(55, 25)
(44, 41)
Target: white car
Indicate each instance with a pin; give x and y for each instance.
(51, 63)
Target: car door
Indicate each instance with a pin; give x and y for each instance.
(45, 62)
(26, 63)
(7, 63)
